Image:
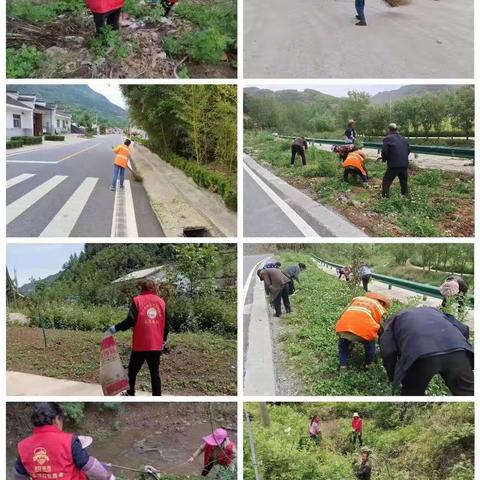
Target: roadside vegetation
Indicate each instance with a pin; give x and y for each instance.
(424, 441)
(444, 114)
(192, 127)
(70, 312)
(441, 202)
(55, 38)
(310, 341)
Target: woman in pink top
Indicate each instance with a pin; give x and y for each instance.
(314, 428)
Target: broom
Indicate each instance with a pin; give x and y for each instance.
(135, 174)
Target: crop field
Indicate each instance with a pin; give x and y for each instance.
(310, 341)
(441, 203)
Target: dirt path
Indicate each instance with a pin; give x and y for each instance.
(427, 39)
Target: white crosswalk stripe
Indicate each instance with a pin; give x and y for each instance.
(19, 206)
(64, 221)
(20, 178)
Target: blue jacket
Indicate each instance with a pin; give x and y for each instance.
(395, 151)
(420, 332)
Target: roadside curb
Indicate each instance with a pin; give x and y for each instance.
(315, 214)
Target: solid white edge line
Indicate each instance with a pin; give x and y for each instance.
(298, 222)
(132, 230)
(62, 224)
(19, 179)
(246, 285)
(113, 232)
(22, 204)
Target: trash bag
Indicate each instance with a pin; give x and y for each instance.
(113, 377)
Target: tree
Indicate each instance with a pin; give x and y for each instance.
(354, 108)
(433, 111)
(462, 109)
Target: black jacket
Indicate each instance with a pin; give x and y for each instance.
(420, 332)
(395, 151)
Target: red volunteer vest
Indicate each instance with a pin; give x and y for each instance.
(104, 6)
(150, 326)
(224, 457)
(47, 455)
(357, 424)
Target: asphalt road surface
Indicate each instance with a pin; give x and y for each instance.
(64, 191)
(262, 216)
(311, 39)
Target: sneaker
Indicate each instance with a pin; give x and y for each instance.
(361, 23)
(112, 188)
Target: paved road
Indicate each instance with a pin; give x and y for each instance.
(311, 39)
(262, 216)
(259, 378)
(64, 191)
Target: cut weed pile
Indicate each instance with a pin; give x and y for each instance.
(56, 38)
(441, 202)
(194, 365)
(311, 342)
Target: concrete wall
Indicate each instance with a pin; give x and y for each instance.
(26, 123)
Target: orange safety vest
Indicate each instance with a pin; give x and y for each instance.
(362, 318)
(354, 159)
(123, 154)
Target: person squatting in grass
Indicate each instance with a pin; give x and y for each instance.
(217, 449)
(299, 147)
(148, 319)
(120, 163)
(344, 272)
(293, 273)
(454, 289)
(52, 453)
(361, 322)
(395, 151)
(276, 286)
(314, 429)
(357, 428)
(419, 343)
(354, 165)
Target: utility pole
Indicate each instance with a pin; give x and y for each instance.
(252, 446)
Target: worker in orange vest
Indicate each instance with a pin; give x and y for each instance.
(120, 163)
(354, 165)
(106, 13)
(217, 449)
(361, 322)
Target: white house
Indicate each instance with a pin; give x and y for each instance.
(28, 115)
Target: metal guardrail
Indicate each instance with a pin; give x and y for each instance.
(420, 288)
(459, 152)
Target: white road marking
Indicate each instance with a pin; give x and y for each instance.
(19, 206)
(124, 223)
(57, 161)
(20, 178)
(249, 278)
(64, 221)
(293, 216)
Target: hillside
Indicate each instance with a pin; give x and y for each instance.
(28, 288)
(307, 96)
(74, 97)
(409, 90)
(421, 441)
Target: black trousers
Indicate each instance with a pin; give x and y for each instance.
(291, 287)
(277, 301)
(366, 281)
(455, 369)
(297, 149)
(110, 18)
(137, 360)
(354, 172)
(390, 175)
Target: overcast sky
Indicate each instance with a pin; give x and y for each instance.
(40, 260)
(112, 92)
(335, 90)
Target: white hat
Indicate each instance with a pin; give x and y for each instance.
(392, 126)
(356, 414)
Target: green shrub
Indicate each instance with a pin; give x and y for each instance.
(55, 138)
(14, 144)
(41, 12)
(74, 411)
(23, 62)
(32, 140)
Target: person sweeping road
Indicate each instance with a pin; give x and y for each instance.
(106, 13)
(361, 322)
(421, 342)
(217, 449)
(120, 163)
(148, 319)
(51, 453)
